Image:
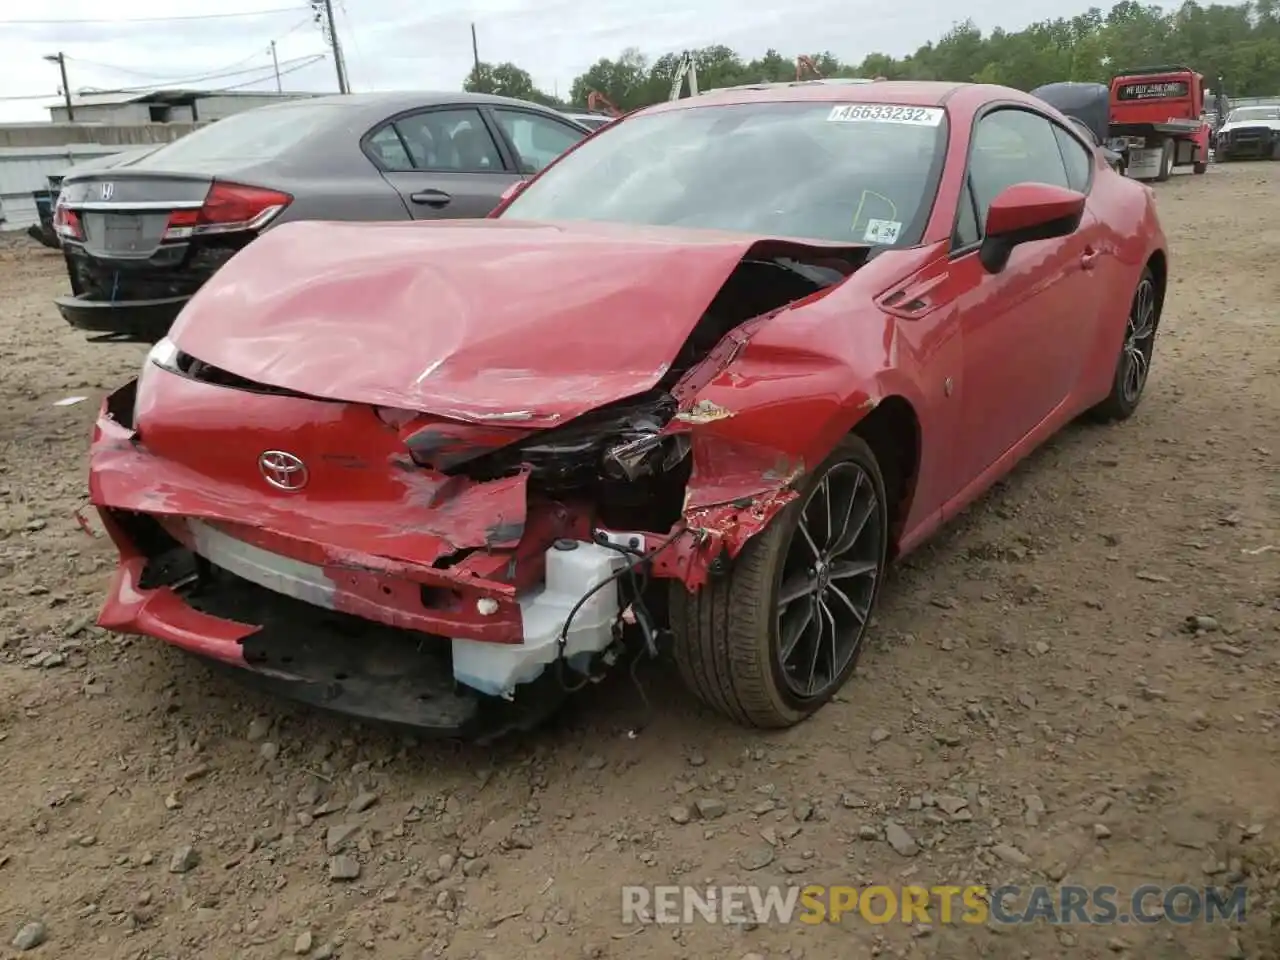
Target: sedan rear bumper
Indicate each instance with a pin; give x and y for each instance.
(144, 321)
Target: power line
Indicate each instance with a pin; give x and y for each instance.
(314, 58)
(151, 76)
(202, 78)
(197, 16)
(297, 63)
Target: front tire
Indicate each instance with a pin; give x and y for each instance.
(773, 639)
(1134, 363)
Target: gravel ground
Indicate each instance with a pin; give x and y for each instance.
(1034, 707)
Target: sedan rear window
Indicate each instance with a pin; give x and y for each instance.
(852, 173)
(253, 135)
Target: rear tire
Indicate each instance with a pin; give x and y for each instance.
(1136, 349)
(1167, 152)
(729, 635)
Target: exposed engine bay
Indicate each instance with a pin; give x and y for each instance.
(622, 457)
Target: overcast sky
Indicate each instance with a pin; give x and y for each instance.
(390, 44)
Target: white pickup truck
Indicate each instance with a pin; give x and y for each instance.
(1249, 133)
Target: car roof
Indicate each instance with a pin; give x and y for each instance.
(914, 93)
(375, 105)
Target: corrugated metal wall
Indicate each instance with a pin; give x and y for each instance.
(27, 167)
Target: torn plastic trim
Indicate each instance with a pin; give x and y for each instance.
(173, 614)
(703, 411)
(573, 569)
(735, 488)
(621, 437)
(734, 491)
(714, 536)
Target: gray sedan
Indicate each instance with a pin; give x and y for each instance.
(140, 239)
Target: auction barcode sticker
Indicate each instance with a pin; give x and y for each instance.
(886, 113)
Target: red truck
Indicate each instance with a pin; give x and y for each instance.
(1157, 121)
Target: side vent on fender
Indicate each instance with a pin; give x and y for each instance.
(913, 299)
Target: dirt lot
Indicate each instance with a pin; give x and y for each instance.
(1033, 707)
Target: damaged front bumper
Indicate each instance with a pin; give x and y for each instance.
(310, 633)
(441, 612)
(422, 643)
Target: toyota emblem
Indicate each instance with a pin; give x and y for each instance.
(108, 191)
(283, 470)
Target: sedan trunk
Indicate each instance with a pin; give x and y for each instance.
(139, 243)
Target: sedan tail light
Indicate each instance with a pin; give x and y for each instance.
(228, 208)
(66, 223)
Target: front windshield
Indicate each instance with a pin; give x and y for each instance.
(1254, 113)
(851, 173)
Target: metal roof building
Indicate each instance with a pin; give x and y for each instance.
(163, 106)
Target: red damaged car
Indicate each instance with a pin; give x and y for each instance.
(695, 384)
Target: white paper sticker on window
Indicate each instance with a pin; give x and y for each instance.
(882, 231)
(885, 113)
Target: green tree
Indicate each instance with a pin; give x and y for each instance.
(505, 80)
(624, 81)
(1240, 43)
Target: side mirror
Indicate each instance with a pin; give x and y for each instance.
(1025, 212)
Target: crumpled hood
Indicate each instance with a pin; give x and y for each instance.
(479, 319)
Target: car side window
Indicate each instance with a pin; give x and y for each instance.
(1078, 161)
(1012, 146)
(389, 149)
(537, 139)
(967, 231)
(447, 140)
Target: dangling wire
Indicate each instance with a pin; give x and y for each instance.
(638, 562)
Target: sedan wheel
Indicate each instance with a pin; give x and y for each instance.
(1135, 354)
(772, 639)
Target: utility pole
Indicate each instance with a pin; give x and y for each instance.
(324, 16)
(60, 59)
(475, 50)
(275, 62)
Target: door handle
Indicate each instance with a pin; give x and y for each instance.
(1088, 258)
(432, 198)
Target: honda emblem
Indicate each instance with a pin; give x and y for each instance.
(108, 191)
